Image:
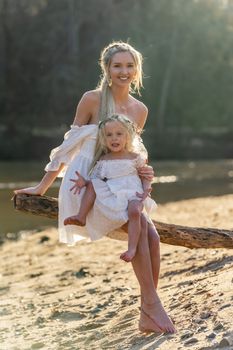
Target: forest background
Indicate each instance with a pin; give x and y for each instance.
(49, 51)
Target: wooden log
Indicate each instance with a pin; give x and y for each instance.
(190, 237)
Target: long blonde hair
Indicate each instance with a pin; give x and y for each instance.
(101, 147)
(107, 107)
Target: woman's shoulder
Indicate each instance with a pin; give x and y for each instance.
(139, 111)
(141, 107)
(92, 96)
(88, 107)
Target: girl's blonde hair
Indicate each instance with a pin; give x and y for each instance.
(107, 107)
(101, 147)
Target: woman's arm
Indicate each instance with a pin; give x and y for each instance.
(145, 172)
(84, 114)
(141, 115)
(44, 184)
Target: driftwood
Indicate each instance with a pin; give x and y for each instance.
(190, 237)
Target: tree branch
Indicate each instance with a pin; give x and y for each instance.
(190, 237)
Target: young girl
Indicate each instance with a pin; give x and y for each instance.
(115, 182)
(121, 75)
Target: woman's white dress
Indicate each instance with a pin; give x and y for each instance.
(76, 152)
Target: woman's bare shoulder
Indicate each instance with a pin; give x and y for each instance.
(140, 112)
(92, 96)
(140, 105)
(87, 109)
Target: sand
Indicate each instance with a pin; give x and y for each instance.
(85, 297)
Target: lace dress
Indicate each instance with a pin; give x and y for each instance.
(116, 183)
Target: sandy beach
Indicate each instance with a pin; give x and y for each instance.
(55, 297)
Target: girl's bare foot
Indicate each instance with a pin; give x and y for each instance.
(74, 220)
(128, 255)
(156, 313)
(30, 190)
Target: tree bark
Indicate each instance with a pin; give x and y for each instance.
(190, 237)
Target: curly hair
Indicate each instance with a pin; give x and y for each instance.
(101, 147)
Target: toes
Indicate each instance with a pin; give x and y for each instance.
(125, 258)
(67, 221)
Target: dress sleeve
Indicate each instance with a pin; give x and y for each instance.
(71, 145)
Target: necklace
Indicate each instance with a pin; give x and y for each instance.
(123, 108)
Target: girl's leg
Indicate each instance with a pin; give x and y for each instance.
(86, 205)
(153, 316)
(134, 229)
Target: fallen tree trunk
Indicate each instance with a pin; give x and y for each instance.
(190, 237)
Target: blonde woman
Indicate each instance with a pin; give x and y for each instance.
(121, 68)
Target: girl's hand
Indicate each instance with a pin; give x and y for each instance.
(144, 195)
(79, 183)
(147, 172)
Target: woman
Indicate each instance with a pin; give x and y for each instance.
(122, 74)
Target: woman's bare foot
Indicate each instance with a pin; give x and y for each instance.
(128, 255)
(75, 220)
(147, 325)
(156, 313)
(30, 190)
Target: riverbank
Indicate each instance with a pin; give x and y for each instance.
(55, 297)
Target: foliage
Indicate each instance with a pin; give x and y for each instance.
(50, 50)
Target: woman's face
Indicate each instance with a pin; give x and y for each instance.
(122, 68)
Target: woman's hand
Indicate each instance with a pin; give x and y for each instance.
(147, 172)
(79, 183)
(43, 185)
(36, 190)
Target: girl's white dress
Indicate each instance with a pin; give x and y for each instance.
(76, 152)
(116, 183)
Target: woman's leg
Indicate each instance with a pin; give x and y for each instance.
(86, 205)
(153, 316)
(154, 246)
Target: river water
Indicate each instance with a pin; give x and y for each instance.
(174, 181)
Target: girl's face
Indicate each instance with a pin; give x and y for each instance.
(115, 136)
(122, 68)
